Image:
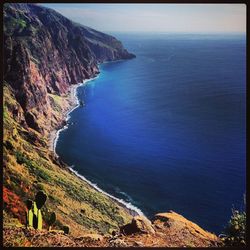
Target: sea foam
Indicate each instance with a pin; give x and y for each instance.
(70, 111)
(128, 205)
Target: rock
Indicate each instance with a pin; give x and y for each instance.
(139, 224)
(138, 244)
(172, 219)
(117, 243)
(92, 237)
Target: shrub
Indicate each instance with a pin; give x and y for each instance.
(20, 158)
(235, 232)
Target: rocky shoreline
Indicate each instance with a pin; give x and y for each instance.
(73, 101)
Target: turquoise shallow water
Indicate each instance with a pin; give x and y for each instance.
(166, 130)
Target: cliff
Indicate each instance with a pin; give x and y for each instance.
(49, 53)
(45, 55)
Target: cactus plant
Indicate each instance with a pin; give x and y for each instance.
(39, 220)
(34, 215)
(52, 220)
(35, 212)
(29, 214)
(66, 229)
(34, 208)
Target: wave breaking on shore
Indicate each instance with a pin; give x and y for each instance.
(133, 210)
(76, 105)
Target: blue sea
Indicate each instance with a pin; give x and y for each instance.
(166, 130)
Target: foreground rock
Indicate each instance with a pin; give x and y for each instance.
(174, 220)
(139, 224)
(167, 230)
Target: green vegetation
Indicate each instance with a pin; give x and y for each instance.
(22, 23)
(235, 232)
(14, 25)
(56, 101)
(30, 167)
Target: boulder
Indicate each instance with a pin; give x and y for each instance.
(139, 224)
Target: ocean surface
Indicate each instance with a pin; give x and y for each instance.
(166, 130)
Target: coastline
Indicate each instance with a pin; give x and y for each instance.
(54, 135)
(74, 103)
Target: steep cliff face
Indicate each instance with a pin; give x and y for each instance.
(45, 53)
(105, 47)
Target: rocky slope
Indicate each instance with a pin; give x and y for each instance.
(165, 230)
(45, 54)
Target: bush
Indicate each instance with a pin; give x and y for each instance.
(235, 232)
(20, 158)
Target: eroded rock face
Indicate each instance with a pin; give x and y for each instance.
(45, 53)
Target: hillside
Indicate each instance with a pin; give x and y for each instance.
(45, 56)
(165, 230)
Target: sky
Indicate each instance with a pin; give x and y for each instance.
(157, 18)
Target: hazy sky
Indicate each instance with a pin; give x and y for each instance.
(188, 18)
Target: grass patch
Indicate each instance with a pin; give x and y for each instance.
(29, 167)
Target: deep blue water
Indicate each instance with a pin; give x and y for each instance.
(166, 130)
